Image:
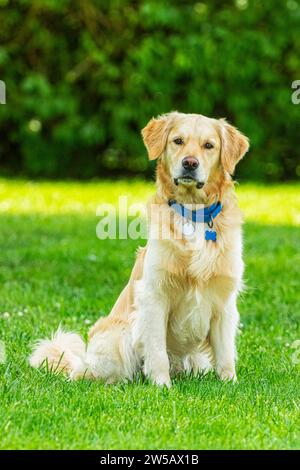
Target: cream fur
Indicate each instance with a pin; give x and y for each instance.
(178, 311)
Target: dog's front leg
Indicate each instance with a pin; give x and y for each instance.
(222, 336)
(150, 331)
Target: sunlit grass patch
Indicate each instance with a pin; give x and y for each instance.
(264, 203)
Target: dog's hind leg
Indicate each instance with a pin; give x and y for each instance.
(197, 363)
(110, 355)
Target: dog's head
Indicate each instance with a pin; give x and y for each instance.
(193, 147)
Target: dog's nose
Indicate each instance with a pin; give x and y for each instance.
(190, 163)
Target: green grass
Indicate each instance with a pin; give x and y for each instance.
(53, 269)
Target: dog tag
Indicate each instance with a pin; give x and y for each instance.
(188, 229)
(211, 235)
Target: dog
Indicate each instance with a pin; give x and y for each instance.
(178, 312)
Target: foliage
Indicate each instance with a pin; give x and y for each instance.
(84, 76)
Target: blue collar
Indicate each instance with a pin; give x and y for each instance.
(206, 215)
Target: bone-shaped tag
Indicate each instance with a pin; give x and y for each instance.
(211, 235)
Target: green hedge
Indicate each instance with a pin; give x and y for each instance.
(83, 77)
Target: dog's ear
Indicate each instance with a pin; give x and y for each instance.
(155, 135)
(234, 145)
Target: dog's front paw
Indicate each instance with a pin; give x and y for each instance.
(158, 371)
(227, 374)
(162, 380)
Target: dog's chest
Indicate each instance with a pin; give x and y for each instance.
(189, 320)
(203, 258)
(190, 299)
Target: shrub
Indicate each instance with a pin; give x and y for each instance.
(83, 77)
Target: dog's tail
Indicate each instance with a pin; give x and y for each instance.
(65, 352)
(109, 356)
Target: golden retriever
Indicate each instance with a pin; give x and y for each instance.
(178, 311)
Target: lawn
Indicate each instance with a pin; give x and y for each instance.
(54, 269)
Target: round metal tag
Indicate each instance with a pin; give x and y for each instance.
(188, 229)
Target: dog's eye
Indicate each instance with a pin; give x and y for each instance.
(178, 141)
(208, 145)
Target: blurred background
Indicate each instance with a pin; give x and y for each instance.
(84, 76)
